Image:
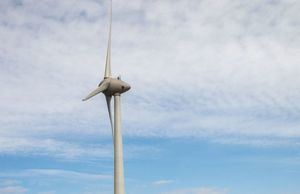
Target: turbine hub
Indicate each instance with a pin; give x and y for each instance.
(116, 86)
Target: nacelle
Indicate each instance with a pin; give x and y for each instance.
(116, 86)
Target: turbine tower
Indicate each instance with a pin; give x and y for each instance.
(113, 87)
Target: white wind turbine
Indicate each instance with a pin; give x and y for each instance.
(110, 86)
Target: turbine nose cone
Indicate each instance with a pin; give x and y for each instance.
(127, 87)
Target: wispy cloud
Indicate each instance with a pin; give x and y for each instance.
(202, 190)
(69, 151)
(194, 73)
(9, 182)
(11, 186)
(55, 173)
(162, 182)
(53, 148)
(47, 192)
(259, 141)
(13, 190)
(45, 177)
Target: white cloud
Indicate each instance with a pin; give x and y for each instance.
(258, 142)
(202, 190)
(195, 72)
(53, 148)
(56, 173)
(162, 182)
(47, 192)
(13, 190)
(11, 186)
(44, 177)
(69, 151)
(9, 182)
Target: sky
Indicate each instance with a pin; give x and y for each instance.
(214, 105)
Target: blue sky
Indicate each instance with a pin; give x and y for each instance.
(214, 106)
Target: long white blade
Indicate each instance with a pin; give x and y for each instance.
(108, 102)
(103, 86)
(108, 55)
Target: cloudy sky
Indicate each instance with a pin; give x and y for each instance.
(214, 106)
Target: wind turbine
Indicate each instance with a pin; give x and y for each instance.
(113, 87)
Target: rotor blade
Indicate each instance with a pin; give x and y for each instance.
(108, 102)
(108, 55)
(103, 86)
